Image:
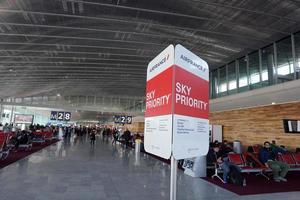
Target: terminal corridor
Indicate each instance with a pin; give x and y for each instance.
(71, 169)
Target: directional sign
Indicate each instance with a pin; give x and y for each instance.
(176, 115)
(122, 119)
(53, 115)
(60, 116)
(117, 119)
(67, 116)
(128, 119)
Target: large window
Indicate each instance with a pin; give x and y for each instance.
(214, 83)
(232, 82)
(222, 82)
(267, 65)
(243, 74)
(254, 72)
(273, 64)
(297, 52)
(285, 67)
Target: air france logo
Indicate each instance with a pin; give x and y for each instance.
(188, 60)
(162, 61)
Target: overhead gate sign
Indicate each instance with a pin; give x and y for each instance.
(177, 97)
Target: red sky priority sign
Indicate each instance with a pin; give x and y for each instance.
(176, 115)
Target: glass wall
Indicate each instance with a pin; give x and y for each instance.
(8, 112)
(214, 83)
(285, 67)
(269, 65)
(243, 75)
(222, 91)
(297, 54)
(254, 71)
(232, 82)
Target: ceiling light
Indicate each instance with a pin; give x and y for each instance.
(58, 94)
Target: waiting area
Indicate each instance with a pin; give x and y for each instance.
(107, 171)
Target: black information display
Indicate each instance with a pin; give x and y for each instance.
(122, 119)
(53, 115)
(60, 116)
(67, 116)
(291, 126)
(117, 119)
(129, 119)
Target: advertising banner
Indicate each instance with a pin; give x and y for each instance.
(176, 115)
(23, 119)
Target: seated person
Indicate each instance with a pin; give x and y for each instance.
(268, 156)
(25, 138)
(226, 147)
(219, 157)
(276, 148)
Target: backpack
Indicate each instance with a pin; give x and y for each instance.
(235, 176)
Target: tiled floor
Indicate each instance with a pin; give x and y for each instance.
(73, 170)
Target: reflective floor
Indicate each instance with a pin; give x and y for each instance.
(72, 169)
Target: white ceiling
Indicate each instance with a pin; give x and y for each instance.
(102, 47)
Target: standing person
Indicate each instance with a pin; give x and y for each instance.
(104, 132)
(268, 156)
(127, 137)
(93, 137)
(115, 136)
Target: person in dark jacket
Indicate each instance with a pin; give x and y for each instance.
(127, 137)
(93, 137)
(268, 156)
(226, 147)
(219, 157)
(115, 134)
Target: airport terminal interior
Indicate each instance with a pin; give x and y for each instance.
(80, 115)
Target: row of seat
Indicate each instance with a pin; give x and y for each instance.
(6, 145)
(292, 159)
(3, 150)
(249, 163)
(46, 136)
(241, 160)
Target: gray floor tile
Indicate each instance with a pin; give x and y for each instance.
(72, 171)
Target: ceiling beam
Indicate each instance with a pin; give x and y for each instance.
(72, 52)
(62, 62)
(78, 38)
(74, 45)
(224, 5)
(93, 30)
(138, 22)
(73, 58)
(181, 15)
